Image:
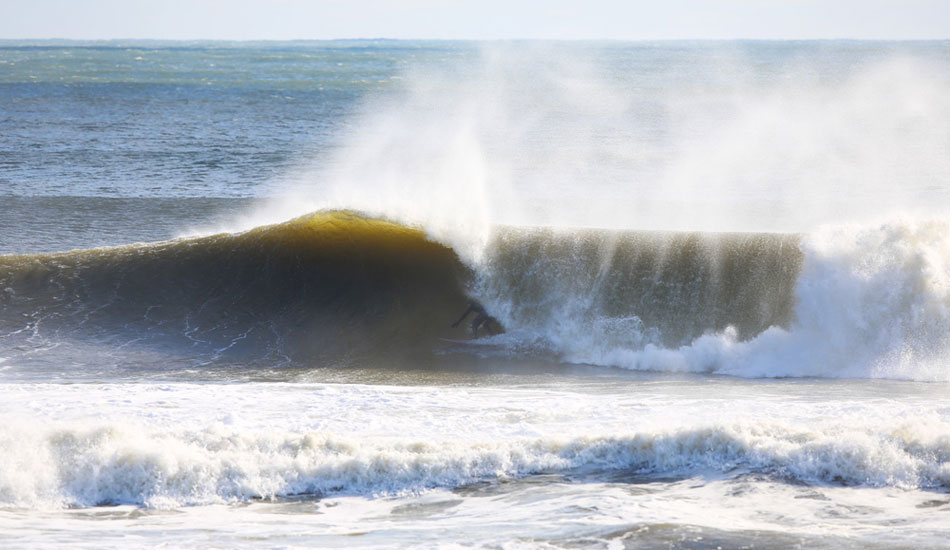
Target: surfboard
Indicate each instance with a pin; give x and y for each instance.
(451, 341)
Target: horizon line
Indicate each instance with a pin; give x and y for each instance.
(391, 39)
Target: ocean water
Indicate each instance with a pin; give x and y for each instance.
(718, 272)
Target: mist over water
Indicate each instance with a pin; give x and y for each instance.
(709, 137)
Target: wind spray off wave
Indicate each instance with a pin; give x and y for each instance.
(867, 302)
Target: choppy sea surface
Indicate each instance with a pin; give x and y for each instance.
(717, 276)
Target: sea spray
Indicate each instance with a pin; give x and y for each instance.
(870, 302)
(750, 139)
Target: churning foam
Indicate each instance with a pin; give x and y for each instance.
(172, 445)
(871, 302)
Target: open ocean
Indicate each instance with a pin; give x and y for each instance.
(719, 274)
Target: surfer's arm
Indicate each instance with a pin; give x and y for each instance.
(462, 318)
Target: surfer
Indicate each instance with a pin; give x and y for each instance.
(482, 319)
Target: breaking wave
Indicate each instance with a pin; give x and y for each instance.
(846, 301)
(339, 288)
(332, 287)
(113, 463)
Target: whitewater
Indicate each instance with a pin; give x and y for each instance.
(718, 275)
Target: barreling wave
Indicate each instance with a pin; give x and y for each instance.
(340, 288)
(330, 288)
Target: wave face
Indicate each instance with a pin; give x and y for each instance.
(338, 288)
(333, 287)
(638, 288)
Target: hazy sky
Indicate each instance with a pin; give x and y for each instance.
(478, 19)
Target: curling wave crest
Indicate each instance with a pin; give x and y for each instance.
(337, 288)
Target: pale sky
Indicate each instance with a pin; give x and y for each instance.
(475, 19)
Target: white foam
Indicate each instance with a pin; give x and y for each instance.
(872, 301)
(170, 446)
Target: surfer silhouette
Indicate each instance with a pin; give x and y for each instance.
(482, 319)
